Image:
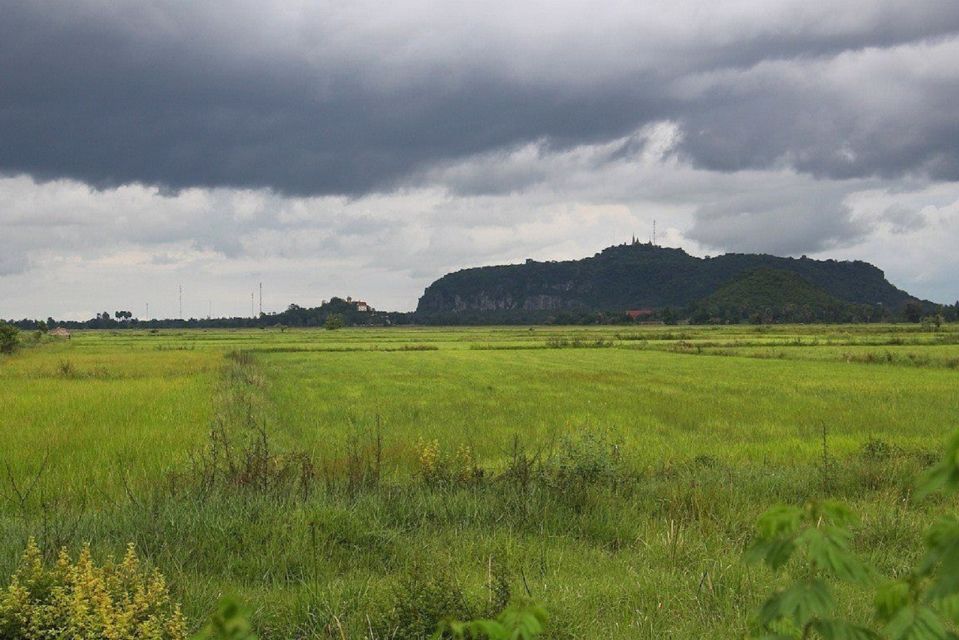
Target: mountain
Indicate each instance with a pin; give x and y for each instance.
(644, 276)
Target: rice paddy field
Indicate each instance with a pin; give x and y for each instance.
(368, 483)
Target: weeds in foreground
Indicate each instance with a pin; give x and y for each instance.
(66, 369)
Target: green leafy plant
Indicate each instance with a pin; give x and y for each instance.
(514, 623)
(923, 605)
(228, 623)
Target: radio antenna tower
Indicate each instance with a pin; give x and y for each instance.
(148, 311)
(261, 298)
(180, 286)
(654, 232)
(252, 312)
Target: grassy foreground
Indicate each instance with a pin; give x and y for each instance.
(368, 483)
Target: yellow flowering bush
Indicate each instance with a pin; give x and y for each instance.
(436, 466)
(467, 469)
(115, 601)
(428, 457)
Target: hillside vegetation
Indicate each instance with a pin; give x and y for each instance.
(774, 295)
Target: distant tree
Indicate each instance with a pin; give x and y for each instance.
(9, 338)
(700, 315)
(933, 323)
(42, 326)
(333, 321)
(913, 311)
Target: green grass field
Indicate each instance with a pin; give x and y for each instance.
(366, 483)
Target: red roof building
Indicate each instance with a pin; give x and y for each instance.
(639, 314)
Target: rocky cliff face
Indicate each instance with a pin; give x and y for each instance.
(638, 276)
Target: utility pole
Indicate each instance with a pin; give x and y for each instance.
(181, 301)
(261, 299)
(252, 312)
(654, 232)
(148, 311)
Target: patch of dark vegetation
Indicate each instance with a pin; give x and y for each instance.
(476, 346)
(241, 358)
(292, 349)
(68, 370)
(344, 349)
(908, 359)
(407, 347)
(659, 335)
(578, 343)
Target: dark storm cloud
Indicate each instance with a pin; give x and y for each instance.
(881, 112)
(348, 101)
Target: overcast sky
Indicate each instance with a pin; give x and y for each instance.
(365, 149)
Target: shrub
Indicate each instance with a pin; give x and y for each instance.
(877, 450)
(588, 458)
(932, 323)
(423, 599)
(435, 466)
(431, 466)
(9, 338)
(66, 369)
(116, 601)
(426, 599)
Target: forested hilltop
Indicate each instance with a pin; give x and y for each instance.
(656, 282)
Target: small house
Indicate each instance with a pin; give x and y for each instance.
(60, 332)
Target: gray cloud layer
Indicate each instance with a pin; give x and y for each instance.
(337, 98)
(355, 148)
